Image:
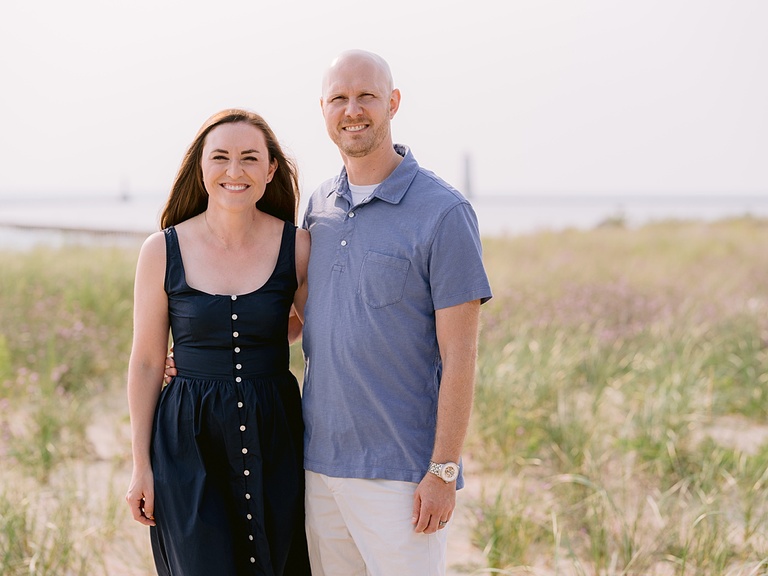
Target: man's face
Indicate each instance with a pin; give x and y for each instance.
(358, 103)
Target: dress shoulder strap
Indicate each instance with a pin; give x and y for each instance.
(174, 268)
(286, 261)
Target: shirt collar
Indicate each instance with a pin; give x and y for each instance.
(394, 187)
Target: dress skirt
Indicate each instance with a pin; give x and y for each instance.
(229, 484)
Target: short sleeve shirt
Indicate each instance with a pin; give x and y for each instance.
(377, 273)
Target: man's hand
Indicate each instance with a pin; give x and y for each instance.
(433, 504)
(170, 367)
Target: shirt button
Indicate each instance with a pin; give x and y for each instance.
(343, 242)
(247, 496)
(253, 560)
(234, 297)
(239, 366)
(239, 404)
(351, 214)
(250, 537)
(245, 450)
(249, 517)
(242, 428)
(238, 379)
(237, 349)
(235, 334)
(247, 472)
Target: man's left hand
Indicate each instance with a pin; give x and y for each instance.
(433, 504)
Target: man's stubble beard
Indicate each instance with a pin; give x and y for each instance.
(360, 148)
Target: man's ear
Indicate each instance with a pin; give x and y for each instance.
(394, 102)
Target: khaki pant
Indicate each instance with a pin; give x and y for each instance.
(358, 527)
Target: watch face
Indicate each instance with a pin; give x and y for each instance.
(450, 472)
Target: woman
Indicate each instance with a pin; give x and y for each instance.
(217, 453)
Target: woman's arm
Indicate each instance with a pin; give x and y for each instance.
(145, 370)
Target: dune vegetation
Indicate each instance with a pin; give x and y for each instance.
(620, 416)
(620, 422)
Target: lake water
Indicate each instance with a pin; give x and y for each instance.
(25, 223)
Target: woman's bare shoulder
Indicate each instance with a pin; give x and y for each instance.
(154, 242)
(302, 237)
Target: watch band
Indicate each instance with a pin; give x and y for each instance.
(447, 471)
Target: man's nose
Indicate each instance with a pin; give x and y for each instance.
(353, 108)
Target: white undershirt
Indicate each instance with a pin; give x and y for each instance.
(360, 193)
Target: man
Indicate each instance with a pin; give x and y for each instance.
(390, 339)
(395, 282)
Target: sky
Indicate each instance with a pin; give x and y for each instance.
(600, 97)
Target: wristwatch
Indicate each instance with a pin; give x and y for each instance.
(447, 472)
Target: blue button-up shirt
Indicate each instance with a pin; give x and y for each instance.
(377, 273)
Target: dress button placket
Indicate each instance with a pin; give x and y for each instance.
(237, 371)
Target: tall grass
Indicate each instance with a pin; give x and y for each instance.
(65, 336)
(623, 374)
(65, 330)
(619, 422)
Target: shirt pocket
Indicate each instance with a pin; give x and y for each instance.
(382, 279)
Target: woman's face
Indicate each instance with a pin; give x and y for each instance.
(236, 165)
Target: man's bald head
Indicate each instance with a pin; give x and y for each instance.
(361, 59)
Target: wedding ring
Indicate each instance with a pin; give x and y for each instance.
(441, 523)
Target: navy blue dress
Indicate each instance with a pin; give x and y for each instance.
(228, 432)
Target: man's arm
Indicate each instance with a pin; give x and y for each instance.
(457, 332)
(296, 316)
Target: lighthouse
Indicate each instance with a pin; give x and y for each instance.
(467, 190)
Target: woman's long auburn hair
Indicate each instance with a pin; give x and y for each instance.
(188, 196)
